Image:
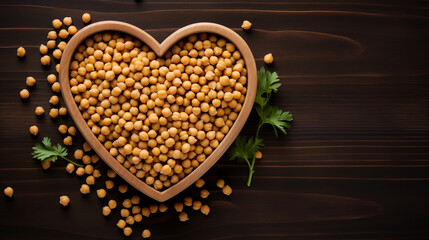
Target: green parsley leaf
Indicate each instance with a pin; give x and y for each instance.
(275, 117)
(49, 152)
(267, 82)
(243, 149)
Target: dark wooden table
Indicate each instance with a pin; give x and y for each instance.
(355, 165)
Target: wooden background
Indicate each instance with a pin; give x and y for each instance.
(354, 165)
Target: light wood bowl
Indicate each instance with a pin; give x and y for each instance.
(159, 49)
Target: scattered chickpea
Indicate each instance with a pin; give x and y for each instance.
(63, 130)
(51, 78)
(64, 200)
(56, 23)
(89, 169)
(34, 130)
(50, 44)
(128, 231)
(39, 111)
(196, 205)
(178, 207)
(62, 45)
(153, 208)
(54, 100)
(129, 220)
(187, 201)
(227, 190)
(67, 21)
(53, 112)
(20, 52)
(8, 191)
(80, 171)
(62, 111)
(30, 81)
(183, 217)
(86, 147)
(72, 30)
(45, 60)
(106, 211)
(135, 200)
(163, 208)
(205, 209)
(121, 224)
(220, 183)
(63, 33)
(146, 233)
(96, 173)
(72, 131)
(204, 193)
(52, 35)
(43, 49)
(111, 173)
(68, 141)
(200, 183)
(145, 211)
(246, 25)
(24, 94)
(101, 193)
(109, 184)
(57, 53)
(70, 168)
(127, 203)
(86, 17)
(112, 204)
(125, 212)
(138, 217)
(46, 165)
(123, 188)
(258, 154)
(56, 87)
(90, 180)
(268, 59)
(84, 189)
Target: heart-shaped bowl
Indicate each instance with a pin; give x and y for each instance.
(159, 49)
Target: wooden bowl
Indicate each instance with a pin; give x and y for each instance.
(159, 49)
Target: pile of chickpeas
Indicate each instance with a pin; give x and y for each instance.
(160, 117)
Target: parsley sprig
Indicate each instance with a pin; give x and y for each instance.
(244, 149)
(49, 152)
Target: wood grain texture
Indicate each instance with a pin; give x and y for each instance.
(160, 49)
(355, 164)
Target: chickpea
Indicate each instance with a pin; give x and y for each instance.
(196, 205)
(220, 183)
(200, 183)
(86, 17)
(30, 81)
(8, 192)
(20, 52)
(128, 231)
(258, 154)
(51, 78)
(64, 200)
(34, 130)
(90, 180)
(24, 94)
(127, 203)
(246, 25)
(43, 49)
(70, 168)
(84, 189)
(204, 193)
(52, 35)
(106, 211)
(72, 131)
(163, 208)
(178, 207)
(135, 200)
(67, 21)
(46, 165)
(45, 60)
(56, 87)
(101, 193)
(121, 224)
(109, 184)
(62, 111)
(53, 113)
(145, 212)
(268, 59)
(205, 209)
(50, 44)
(187, 201)
(72, 30)
(80, 171)
(63, 33)
(68, 141)
(112, 204)
(111, 173)
(54, 100)
(39, 111)
(146, 233)
(96, 173)
(130, 220)
(227, 190)
(123, 188)
(183, 217)
(57, 53)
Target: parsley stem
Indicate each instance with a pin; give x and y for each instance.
(70, 161)
(251, 171)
